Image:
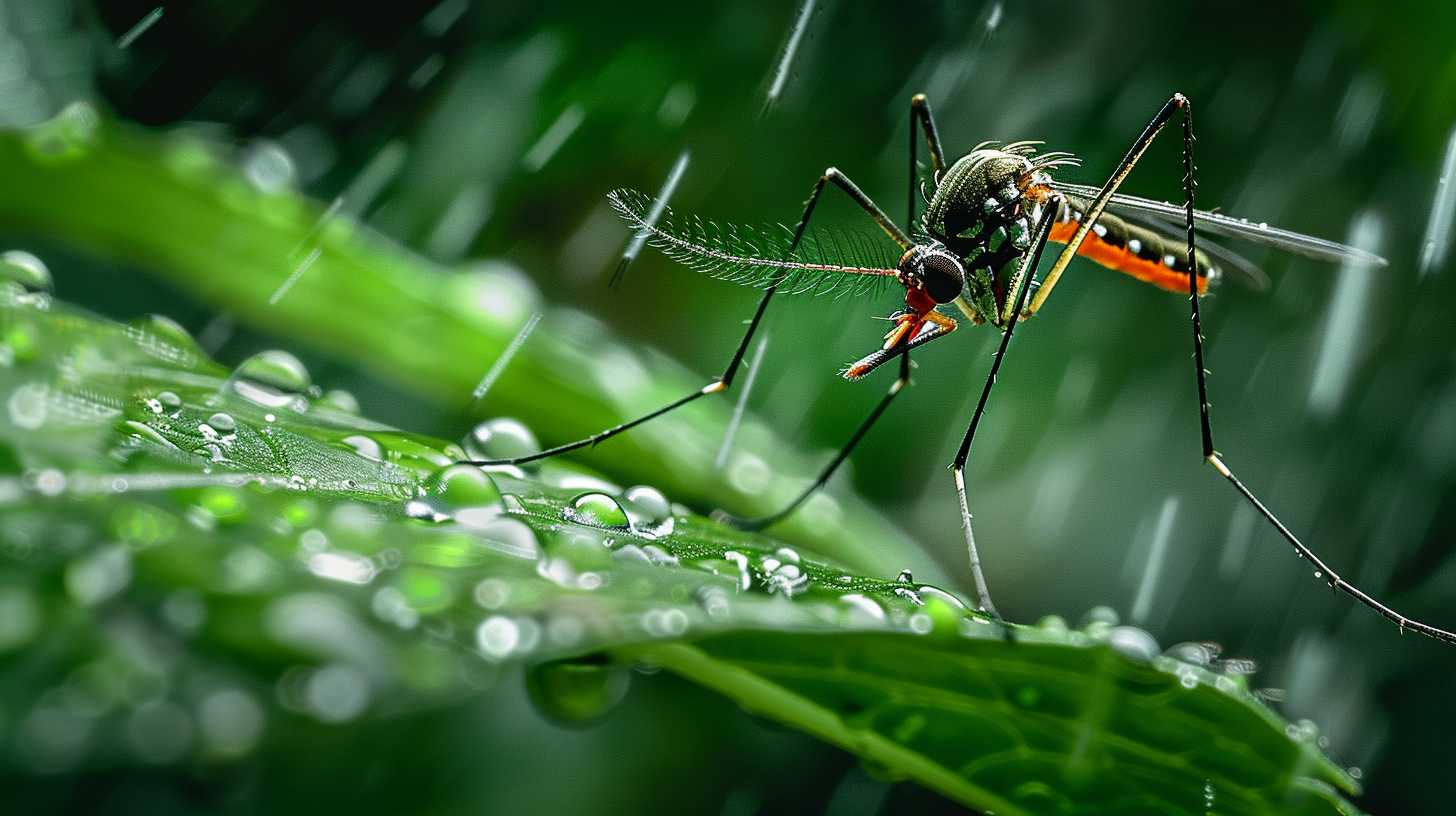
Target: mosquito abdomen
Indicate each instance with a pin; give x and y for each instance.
(1135, 250)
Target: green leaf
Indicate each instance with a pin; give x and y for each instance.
(181, 544)
(283, 263)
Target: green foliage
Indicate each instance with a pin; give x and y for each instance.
(237, 243)
(192, 558)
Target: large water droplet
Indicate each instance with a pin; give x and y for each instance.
(598, 510)
(26, 270)
(1133, 643)
(463, 493)
(222, 424)
(272, 378)
(647, 505)
(365, 446)
(1195, 654)
(500, 438)
(577, 692)
(339, 400)
(167, 330)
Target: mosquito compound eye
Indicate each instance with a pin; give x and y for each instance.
(943, 276)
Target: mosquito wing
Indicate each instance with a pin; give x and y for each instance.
(1308, 246)
(825, 262)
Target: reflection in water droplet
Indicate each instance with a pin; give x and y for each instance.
(598, 510)
(577, 692)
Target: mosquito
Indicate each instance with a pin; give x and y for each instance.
(975, 251)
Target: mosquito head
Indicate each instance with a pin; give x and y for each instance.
(934, 269)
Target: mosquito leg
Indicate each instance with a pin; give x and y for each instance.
(921, 116)
(943, 326)
(958, 467)
(725, 380)
(1210, 455)
(1174, 104)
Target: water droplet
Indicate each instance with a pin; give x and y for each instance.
(1052, 623)
(863, 609)
(577, 692)
(928, 593)
(1194, 654)
(175, 341)
(274, 379)
(339, 400)
(169, 400)
(269, 167)
(598, 510)
(365, 446)
(26, 270)
(498, 637)
(785, 579)
(511, 536)
(500, 438)
(1100, 620)
(222, 423)
(463, 493)
(1133, 643)
(647, 505)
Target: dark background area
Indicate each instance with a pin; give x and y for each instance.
(472, 131)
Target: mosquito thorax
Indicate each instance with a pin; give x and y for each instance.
(978, 207)
(983, 211)
(933, 268)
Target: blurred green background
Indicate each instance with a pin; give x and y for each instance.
(494, 130)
